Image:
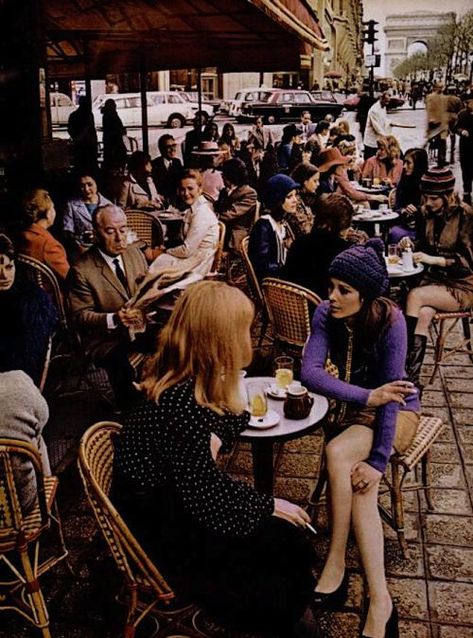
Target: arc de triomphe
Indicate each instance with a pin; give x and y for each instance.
(406, 29)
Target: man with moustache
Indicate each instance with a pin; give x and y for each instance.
(100, 283)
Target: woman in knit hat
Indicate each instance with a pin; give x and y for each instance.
(444, 244)
(364, 334)
(269, 239)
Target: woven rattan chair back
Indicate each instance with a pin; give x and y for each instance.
(96, 454)
(253, 283)
(146, 227)
(40, 274)
(217, 262)
(20, 591)
(289, 307)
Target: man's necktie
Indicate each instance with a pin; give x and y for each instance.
(121, 275)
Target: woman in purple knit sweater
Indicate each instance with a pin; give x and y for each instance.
(364, 335)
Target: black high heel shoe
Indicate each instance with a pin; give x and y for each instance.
(392, 625)
(333, 599)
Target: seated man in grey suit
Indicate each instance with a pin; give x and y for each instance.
(100, 282)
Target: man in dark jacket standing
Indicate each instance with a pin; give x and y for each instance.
(167, 168)
(464, 129)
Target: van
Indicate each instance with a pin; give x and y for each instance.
(166, 108)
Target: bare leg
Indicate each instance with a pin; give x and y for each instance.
(369, 536)
(349, 447)
(423, 302)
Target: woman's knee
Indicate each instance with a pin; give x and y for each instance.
(339, 455)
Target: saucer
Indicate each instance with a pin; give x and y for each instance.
(274, 392)
(270, 419)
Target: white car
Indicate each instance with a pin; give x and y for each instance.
(164, 108)
(61, 107)
(244, 96)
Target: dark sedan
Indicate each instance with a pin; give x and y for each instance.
(287, 105)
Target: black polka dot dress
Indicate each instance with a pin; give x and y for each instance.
(213, 537)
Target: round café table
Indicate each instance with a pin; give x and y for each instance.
(376, 222)
(382, 189)
(396, 271)
(173, 222)
(262, 441)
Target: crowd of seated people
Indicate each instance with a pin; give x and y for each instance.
(303, 234)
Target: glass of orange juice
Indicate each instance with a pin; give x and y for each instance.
(376, 181)
(284, 371)
(257, 402)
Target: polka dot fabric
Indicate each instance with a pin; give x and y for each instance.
(168, 444)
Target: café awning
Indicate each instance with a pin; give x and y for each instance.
(90, 38)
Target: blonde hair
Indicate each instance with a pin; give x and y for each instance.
(207, 338)
(394, 149)
(36, 205)
(344, 125)
(192, 173)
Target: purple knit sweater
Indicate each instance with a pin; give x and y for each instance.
(387, 365)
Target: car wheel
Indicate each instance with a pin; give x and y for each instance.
(176, 121)
(271, 119)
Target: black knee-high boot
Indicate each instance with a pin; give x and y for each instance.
(411, 323)
(415, 359)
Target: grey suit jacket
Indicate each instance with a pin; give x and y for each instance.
(94, 291)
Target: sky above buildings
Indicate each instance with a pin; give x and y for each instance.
(379, 9)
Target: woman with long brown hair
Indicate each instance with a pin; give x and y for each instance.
(364, 335)
(221, 544)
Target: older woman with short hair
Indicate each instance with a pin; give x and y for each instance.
(35, 240)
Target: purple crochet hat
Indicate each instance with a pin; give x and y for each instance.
(364, 268)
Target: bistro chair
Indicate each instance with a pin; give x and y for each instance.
(42, 275)
(290, 309)
(393, 481)
(465, 344)
(21, 535)
(146, 227)
(256, 292)
(217, 262)
(147, 591)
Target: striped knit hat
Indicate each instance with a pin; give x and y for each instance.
(437, 181)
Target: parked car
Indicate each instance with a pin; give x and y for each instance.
(167, 108)
(61, 107)
(209, 107)
(351, 103)
(244, 96)
(324, 95)
(287, 104)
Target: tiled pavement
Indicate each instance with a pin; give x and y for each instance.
(433, 588)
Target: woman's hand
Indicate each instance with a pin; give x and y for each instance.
(410, 209)
(290, 512)
(405, 243)
(429, 260)
(382, 199)
(215, 445)
(364, 477)
(392, 391)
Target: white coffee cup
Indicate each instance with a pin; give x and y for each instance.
(383, 207)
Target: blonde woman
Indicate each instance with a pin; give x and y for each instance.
(200, 231)
(36, 240)
(385, 166)
(235, 552)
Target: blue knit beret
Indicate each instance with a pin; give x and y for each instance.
(364, 268)
(277, 189)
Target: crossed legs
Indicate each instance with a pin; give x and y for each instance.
(343, 452)
(423, 302)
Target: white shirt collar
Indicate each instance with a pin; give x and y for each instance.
(109, 260)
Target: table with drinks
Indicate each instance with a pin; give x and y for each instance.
(281, 409)
(376, 222)
(373, 186)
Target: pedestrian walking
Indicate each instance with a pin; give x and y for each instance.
(81, 128)
(464, 128)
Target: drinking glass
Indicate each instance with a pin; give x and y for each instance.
(393, 254)
(257, 402)
(284, 371)
(376, 181)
